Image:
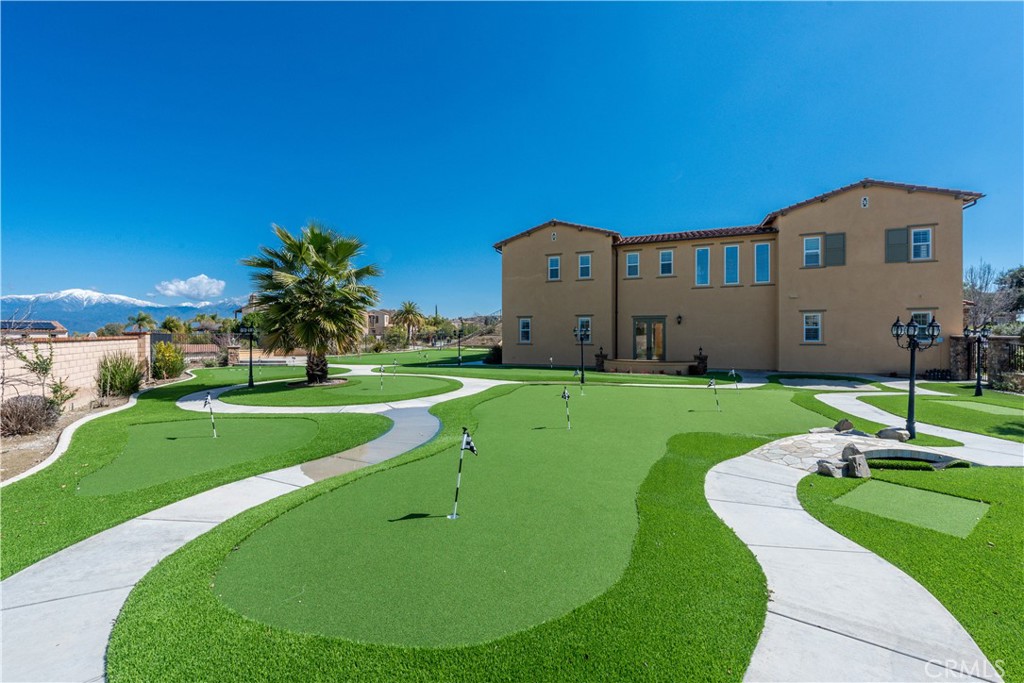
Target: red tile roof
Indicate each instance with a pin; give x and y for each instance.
(714, 233)
(551, 223)
(965, 195)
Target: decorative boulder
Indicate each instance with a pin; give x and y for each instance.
(857, 467)
(843, 425)
(849, 451)
(894, 434)
(821, 430)
(830, 468)
(855, 432)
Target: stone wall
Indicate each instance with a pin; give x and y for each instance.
(960, 350)
(75, 360)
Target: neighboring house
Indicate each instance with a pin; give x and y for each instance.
(377, 322)
(32, 329)
(813, 287)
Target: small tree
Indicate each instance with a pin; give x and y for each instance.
(142, 321)
(410, 316)
(39, 364)
(1013, 281)
(174, 325)
(110, 330)
(989, 304)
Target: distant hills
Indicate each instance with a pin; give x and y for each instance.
(85, 310)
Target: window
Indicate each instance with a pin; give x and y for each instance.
(584, 266)
(525, 331)
(554, 267)
(835, 249)
(665, 260)
(732, 264)
(921, 238)
(633, 264)
(812, 252)
(762, 262)
(812, 327)
(702, 267)
(922, 318)
(583, 325)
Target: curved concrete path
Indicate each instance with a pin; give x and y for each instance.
(836, 612)
(58, 614)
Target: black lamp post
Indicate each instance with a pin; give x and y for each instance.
(249, 331)
(582, 336)
(980, 337)
(918, 337)
(460, 342)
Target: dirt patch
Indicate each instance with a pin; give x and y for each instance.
(328, 383)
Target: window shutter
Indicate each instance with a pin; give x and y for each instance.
(896, 245)
(835, 249)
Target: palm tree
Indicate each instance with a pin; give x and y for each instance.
(142, 321)
(311, 295)
(410, 316)
(173, 324)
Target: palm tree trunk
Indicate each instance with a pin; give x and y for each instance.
(316, 368)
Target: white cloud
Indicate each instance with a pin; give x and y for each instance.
(198, 287)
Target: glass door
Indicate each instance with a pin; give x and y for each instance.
(649, 338)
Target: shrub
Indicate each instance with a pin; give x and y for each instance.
(378, 346)
(222, 358)
(26, 415)
(168, 361)
(494, 355)
(119, 374)
(209, 362)
(898, 464)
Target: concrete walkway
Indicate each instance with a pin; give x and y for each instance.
(58, 614)
(978, 448)
(837, 612)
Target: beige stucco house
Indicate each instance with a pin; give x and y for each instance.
(813, 287)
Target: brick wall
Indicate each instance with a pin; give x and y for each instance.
(74, 360)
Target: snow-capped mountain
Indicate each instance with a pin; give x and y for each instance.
(85, 310)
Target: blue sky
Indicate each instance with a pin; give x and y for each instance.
(144, 143)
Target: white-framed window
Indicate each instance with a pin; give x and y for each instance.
(732, 264)
(921, 244)
(922, 318)
(583, 325)
(666, 262)
(812, 252)
(762, 262)
(812, 328)
(702, 266)
(525, 330)
(633, 264)
(584, 269)
(554, 267)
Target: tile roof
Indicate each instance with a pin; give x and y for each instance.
(551, 223)
(965, 195)
(713, 233)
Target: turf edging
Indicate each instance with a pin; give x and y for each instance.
(691, 603)
(279, 394)
(940, 410)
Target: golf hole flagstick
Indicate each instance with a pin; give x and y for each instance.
(467, 445)
(735, 384)
(209, 404)
(565, 397)
(712, 385)
(382, 377)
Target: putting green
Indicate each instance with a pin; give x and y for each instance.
(927, 509)
(985, 408)
(355, 390)
(160, 452)
(548, 521)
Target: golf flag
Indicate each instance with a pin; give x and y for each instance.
(467, 445)
(209, 404)
(382, 377)
(394, 367)
(565, 397)
(712, 385)
(732, 373)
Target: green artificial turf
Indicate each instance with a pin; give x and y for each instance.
(239, 374)
(979, 416)
(550, 509)
(690, 604)
(162, 452)
(927, 509)
(355, 390)
(899, 464)
(806, 400)
(966, 390)
(561, 375)
(424, 357)
(44, 512)
(977, 578)
(776, 379)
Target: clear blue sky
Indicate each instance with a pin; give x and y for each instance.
(144, 143)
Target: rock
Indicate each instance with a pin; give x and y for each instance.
(821, 430)
(855, 432)
(894, 434)
(857, 467)
(843, 425)
(850, 451)
(831, 468)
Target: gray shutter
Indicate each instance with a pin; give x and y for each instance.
(897, 245)
(835, 249)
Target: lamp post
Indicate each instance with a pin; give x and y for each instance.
(249, 331)
(918, 337)
(582, 335)
(980, 337)
(460, 342)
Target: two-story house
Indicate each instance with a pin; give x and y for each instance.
(813, 287)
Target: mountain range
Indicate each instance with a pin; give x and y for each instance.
(85, 310)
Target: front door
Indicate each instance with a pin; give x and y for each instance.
(649, 338)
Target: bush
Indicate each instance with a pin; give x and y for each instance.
(209, 362)
(494, 355)
(168, 361)
(119, 374)
(27, 415)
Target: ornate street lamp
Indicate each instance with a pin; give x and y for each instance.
(460, 342)
(249, 331)
(918, 337)
(980, 337)
(582, 336)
